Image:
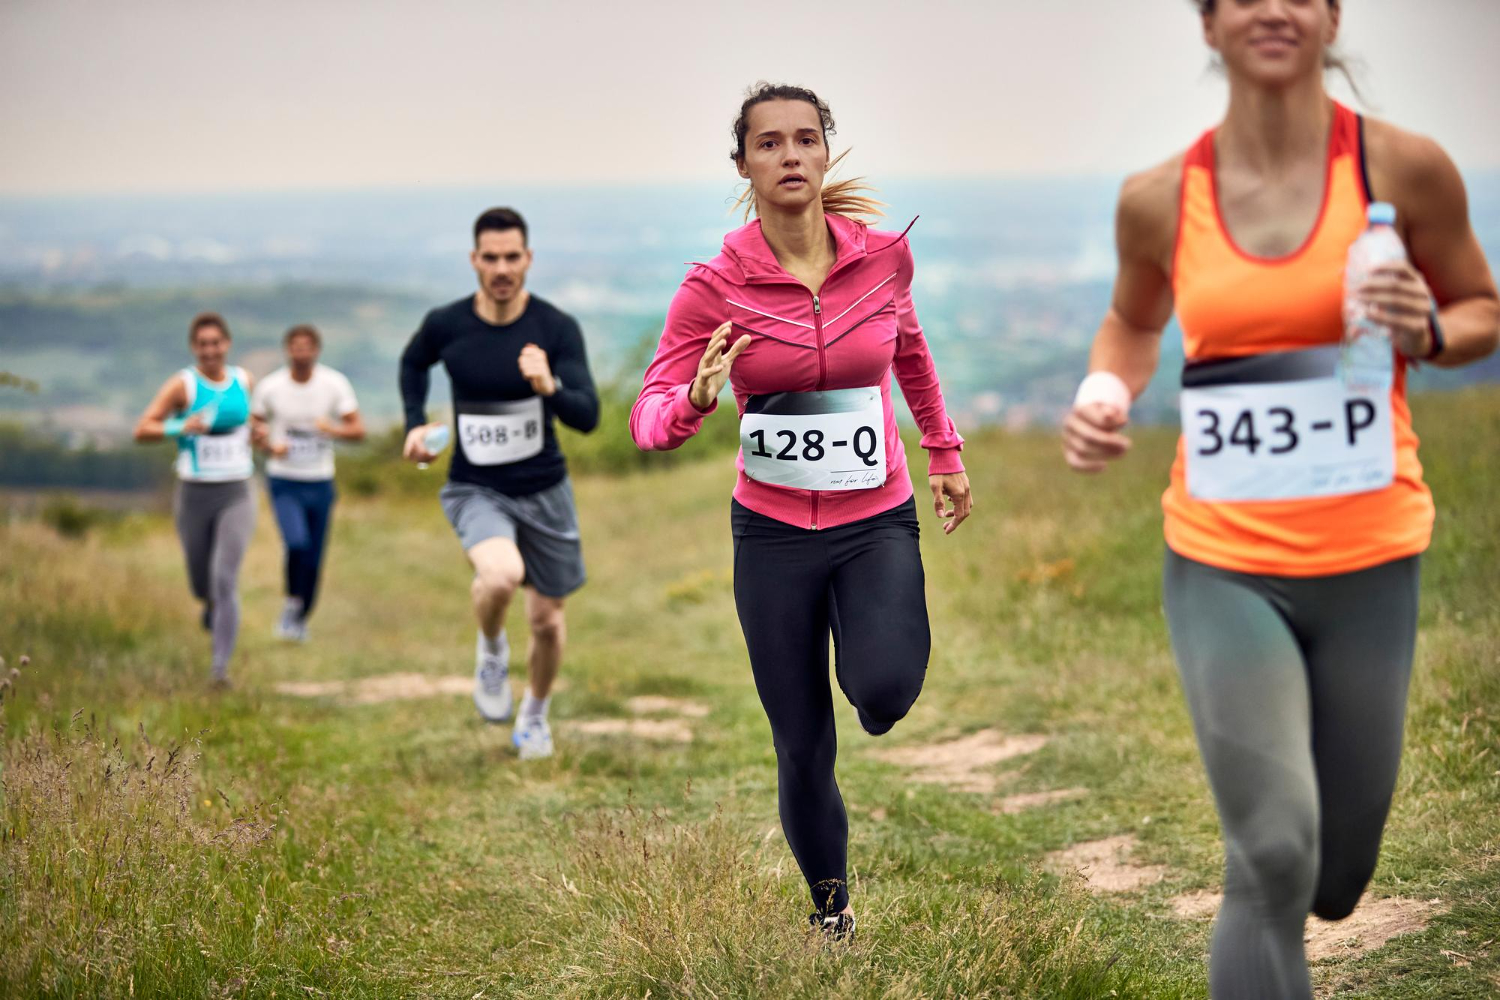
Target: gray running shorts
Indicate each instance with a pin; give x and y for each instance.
(543, 525)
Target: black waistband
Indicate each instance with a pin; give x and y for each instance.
(1277, 366)
(742, 519)
(791, 404)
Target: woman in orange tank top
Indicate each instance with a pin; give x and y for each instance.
(1296, 511)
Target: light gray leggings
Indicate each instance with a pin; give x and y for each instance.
(215, 522)
(1297, 688)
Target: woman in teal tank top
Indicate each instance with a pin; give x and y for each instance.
(222, 452)
(206, 408)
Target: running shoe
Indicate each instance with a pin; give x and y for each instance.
(867, 725)
(532, 737)
(835, 927)
(492, 680)
(291, 618)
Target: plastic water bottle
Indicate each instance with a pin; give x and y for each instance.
(209, 414)
(435, 441)
(1367, 361)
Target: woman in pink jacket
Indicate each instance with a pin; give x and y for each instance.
(819, 310)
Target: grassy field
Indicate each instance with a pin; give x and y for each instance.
(163, 840)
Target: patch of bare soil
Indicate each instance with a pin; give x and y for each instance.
(374, 690)
(1197, 905)
(1105, 865)
(655, 704)
(1012, 804)
(961, 763)
(1370, 926)
(658, 730)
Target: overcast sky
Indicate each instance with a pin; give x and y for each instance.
(195, 95)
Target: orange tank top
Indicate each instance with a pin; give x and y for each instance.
(1231, 304)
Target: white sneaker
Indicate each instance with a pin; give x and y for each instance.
(289, 627)
(492, 680)
(838, 927)
(532, 737)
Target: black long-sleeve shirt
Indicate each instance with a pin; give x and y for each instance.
(483, 363)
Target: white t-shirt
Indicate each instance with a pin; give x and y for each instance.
(293, 410)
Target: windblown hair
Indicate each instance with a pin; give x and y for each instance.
(850, 198)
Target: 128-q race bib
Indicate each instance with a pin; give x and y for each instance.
(1283, 427)
(501, 433)
(833, 439)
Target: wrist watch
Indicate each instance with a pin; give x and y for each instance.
(1435, 328)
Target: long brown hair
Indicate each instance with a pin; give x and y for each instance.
(850, 197)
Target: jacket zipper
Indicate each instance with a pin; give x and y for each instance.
(822, 377)
(822, 355)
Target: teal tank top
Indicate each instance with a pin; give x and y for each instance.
(223, 454)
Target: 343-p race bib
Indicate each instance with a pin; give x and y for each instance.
(833, 439)
(1282, 427)
(225, 454)
(501, 433)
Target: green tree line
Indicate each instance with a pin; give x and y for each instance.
(30, 459)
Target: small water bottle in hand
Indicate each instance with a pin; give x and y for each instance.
(208, 414)
(1367, 359)
(435, 441)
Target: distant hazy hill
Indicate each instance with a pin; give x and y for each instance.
(95, 294)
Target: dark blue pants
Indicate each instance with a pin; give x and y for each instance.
(303, 512)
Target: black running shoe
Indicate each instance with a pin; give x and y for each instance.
(871, 726)
(836, 927)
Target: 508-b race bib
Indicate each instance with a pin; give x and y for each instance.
(501, 433)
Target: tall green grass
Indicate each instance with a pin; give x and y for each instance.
(158, 836)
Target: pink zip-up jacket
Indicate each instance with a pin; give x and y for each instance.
(858, 328)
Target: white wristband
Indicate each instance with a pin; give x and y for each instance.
(1104, 387)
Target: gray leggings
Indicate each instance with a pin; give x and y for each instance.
(1297, 688)
(215, 522)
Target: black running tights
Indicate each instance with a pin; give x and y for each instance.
(862, 582)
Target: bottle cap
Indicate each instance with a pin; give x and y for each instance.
(1382, 213)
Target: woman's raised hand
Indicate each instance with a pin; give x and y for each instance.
(713, 368)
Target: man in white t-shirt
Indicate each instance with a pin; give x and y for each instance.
(298, 412)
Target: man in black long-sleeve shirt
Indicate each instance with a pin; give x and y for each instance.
(515, 362)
